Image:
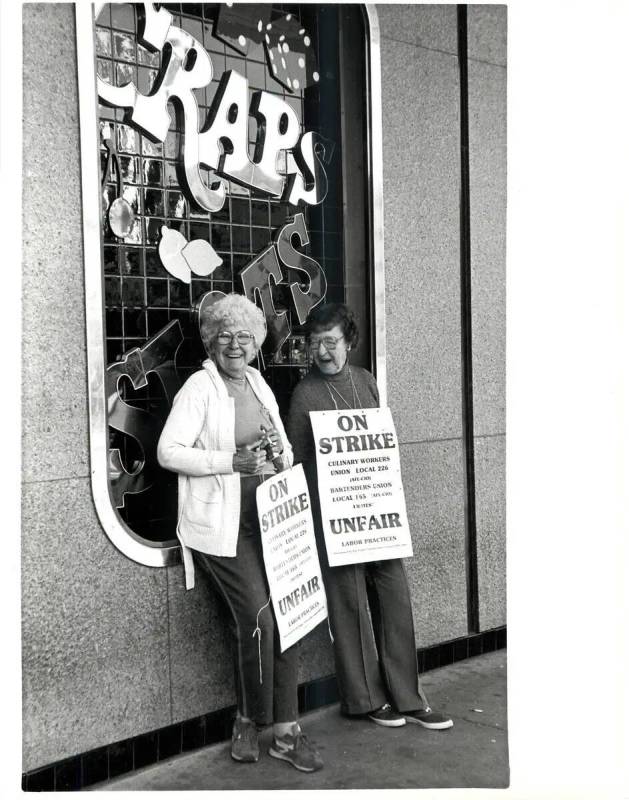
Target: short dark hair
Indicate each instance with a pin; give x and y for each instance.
(331, 314)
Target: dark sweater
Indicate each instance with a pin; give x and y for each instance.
(312, 394)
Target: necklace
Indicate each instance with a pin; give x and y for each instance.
(355, 397)
(227, 377)
(238, 385)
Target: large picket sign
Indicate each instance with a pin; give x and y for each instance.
(290, 555)
(360, 486)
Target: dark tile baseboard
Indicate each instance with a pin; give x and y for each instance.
(110, 761)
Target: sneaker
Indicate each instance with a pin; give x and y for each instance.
(297, 750)
(245, 741)
(386, 716)
(428, 718)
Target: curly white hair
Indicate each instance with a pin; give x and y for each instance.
(233, 309)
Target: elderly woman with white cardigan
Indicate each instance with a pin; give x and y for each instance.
(223, 437)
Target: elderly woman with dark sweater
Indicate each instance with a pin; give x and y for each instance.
(214, 438)
(376, 678)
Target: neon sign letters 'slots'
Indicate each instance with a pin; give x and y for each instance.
(156, 356)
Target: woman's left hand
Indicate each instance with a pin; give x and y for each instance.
(272, 435)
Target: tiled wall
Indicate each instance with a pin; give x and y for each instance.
(421, 97)
(106, 642)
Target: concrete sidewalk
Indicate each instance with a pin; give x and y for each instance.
(361, 755)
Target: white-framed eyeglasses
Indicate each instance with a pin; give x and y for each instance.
(242, 337)
(329, 342)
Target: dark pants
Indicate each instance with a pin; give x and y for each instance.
(375, 663)
(376, 666)
(266, 679)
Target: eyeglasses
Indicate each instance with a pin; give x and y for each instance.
(329, 342)
(242, 337)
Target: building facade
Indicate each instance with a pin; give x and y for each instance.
(395, 201)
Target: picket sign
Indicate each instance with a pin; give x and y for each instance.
(363, 510)
(290, 555)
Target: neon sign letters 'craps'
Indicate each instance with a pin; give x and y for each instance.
(221, 144)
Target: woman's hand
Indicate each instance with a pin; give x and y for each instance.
(271, 435)
(249, 460)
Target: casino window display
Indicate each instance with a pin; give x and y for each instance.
(223, 168)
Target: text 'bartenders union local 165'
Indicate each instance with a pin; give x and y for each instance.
(363, 510)
(290, 555)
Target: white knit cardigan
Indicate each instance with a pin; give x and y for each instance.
(198, 443)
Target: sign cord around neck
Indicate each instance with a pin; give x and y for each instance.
(355, 397)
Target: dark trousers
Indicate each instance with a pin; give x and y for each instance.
(371, 619)
(266, 679)
(374, 664)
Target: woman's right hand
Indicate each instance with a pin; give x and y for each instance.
(249, 461)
